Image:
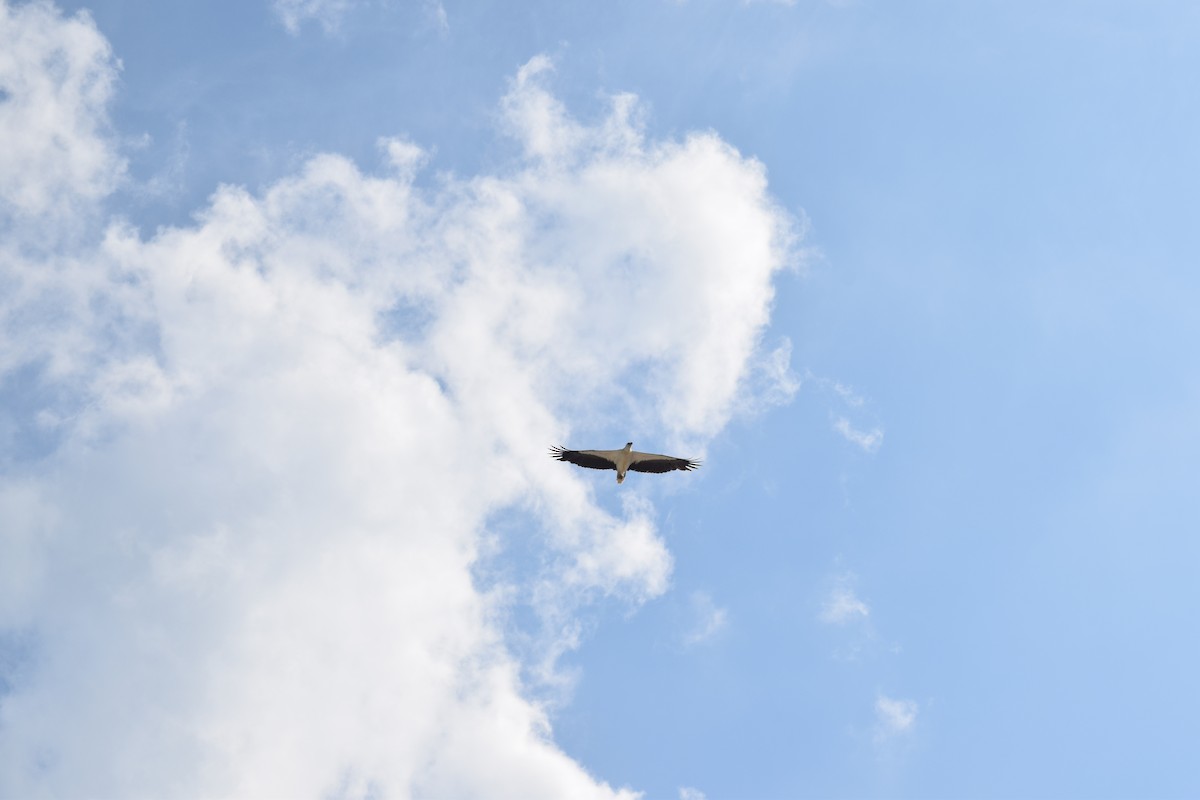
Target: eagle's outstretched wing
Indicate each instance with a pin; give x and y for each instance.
(592, 459)
(653, 462)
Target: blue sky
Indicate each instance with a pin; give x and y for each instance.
(297, 293)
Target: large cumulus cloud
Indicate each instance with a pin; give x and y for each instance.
(268, 446)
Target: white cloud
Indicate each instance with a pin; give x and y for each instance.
(868, 441)
(244, 561)
(846, 393)
(167, 183)
(689, 793)
(437, 12)
(329, 13)
(406, 157)
(708, 619)
(697, 284)
(893, 717)
(843, 606)
(56, 77)
(773, 381)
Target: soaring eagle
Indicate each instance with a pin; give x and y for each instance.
(622, 460)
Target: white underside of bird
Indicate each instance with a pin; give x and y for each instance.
(623, 460)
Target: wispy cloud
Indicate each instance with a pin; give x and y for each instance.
(844, 610)
(847, 393)
(893, 717)
(708, 619)
(867, 441)
(168, 181)
(690, 793)
(328, 13)
(849, 403)
(771, 379)
(263, 480)
(843, 606)
(437, 12)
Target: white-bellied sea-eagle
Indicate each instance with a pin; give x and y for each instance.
(624, 459)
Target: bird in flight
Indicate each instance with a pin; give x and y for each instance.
(622, 460)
